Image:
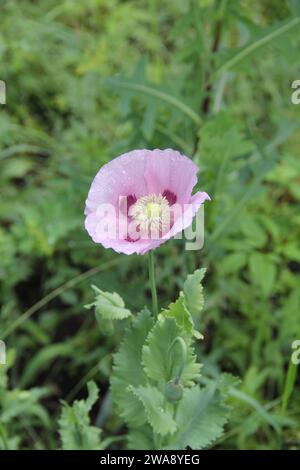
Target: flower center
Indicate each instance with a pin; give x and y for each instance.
(151, 212)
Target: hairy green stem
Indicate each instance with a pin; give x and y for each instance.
(153, 283)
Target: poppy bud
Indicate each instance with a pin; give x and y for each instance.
(173, 391)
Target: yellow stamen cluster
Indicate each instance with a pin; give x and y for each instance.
(151, 212)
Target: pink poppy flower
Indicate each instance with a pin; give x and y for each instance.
(141, 199)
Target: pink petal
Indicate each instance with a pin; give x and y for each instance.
(123, 175)
(188, 213)
(168, 170)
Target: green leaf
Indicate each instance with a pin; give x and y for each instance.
(226, 223)
(128, 370)
(262, 272)
(200, 419)
(226, 382)
(232, 263)
(153, 402)
(154, 92)
(252, 229)
(16, 403)
(43, 358)
(141, 438)
(252, 46)
(109, 306)
(253, 403)
(182, 316)
(93, 393)
(222, 136)
(75, 430)
(193, 291)
(163, 360)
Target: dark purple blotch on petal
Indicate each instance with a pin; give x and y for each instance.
(131, 199)
(170, 197)
(131, 240)
(126, 203)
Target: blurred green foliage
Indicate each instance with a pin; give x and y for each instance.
(89, 80)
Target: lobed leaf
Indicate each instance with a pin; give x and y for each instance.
(193, 291)
(153, 401)
(109, 306)
(75, 430)
(200, 419)
(128, 370)
(161, 362)
(182, 316)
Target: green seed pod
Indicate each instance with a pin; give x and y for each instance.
(173, 391)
